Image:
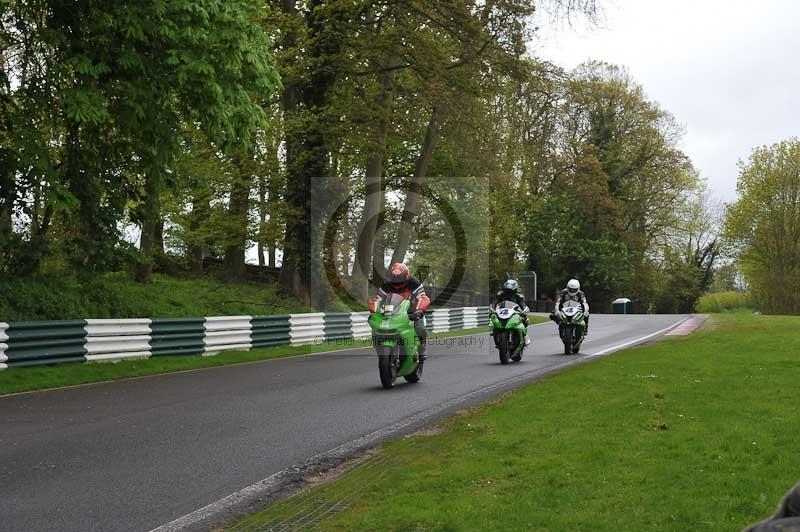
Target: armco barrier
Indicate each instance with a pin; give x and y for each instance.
(483, 317)
(307, 328)
(470, 317)
(337, 326)
(269, 331)
(359, 326)
(36, 343)
(117, 339)
(223, 333)
(3, 345)
(455, 318)
(55, 342)
(177, 336)
(439, 320)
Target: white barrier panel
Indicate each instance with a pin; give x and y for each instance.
(124, 327)
(3, 345)
(471, 317)
(117, 348)
(440, 320)
(307, 328)
(109, 340)
(224, 333)
(359, 325)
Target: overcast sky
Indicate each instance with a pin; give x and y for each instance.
(729, 70)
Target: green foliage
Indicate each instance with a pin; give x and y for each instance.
(55, 297)
(101, 92)
(764, 226)
(162, 122)
(725, 302)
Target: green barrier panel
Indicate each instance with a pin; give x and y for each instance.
(268, 331)
(177, 336)
(37, 343)
(429, 320)
(337, 326)
(456, 318)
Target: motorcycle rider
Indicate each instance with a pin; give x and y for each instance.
(572, 293)
(400, 281)
(510, 292)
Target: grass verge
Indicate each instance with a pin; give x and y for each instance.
(117, 295)
(725, 302)
(694, 433)
(44, 377)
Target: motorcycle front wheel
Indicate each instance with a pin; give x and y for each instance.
(568, 333)
(520, 347)
(576, 347)
(415, 375)
(387, 367)
(503, 347)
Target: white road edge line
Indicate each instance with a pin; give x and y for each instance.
(373, 438)
(638, 340)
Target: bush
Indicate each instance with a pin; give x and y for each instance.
(724, 301)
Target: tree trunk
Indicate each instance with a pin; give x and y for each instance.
(236, 243)
(151, 218)
(82, 176)
(307, 155)
(7, 196)
(364, 267)
(373, 206)
(201, 210)
(262, 218)
(8, 191)
(411, 210)
(274, 189)
(159, 236)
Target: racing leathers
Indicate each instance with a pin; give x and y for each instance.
(564, 296)
(413, 290)
(515, 297)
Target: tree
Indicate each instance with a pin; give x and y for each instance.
(764, 225)
(123, 78)
(316, 33)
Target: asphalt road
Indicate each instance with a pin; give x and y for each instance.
(138, 454)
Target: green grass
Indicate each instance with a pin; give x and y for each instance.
(724, 301)
(695, 433)
(44, 377)
(116, 295)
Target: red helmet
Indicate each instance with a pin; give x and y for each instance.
(398, 273)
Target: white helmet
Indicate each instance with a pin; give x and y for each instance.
(573, 286)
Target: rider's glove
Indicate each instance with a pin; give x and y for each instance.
(415, 315)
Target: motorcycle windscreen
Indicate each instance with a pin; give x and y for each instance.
(571, 309)
(391, 304)
(506, 309)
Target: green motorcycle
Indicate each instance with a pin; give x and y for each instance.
(395, 340)
(572, 327)
(508, 331)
